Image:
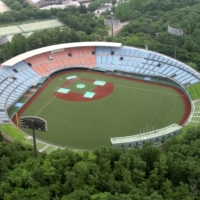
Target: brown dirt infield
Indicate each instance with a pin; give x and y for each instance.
(183, 96)
(100, 92)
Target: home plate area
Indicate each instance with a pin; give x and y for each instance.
(81, 89)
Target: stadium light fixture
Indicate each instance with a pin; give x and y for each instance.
(111, 21)
(176, 32)
(34, 123)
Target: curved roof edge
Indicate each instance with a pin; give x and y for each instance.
(34, 52)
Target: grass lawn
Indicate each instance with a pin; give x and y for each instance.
(39, 145)
(126, 111)
(194, 91)
(24, 22)
(13, 132)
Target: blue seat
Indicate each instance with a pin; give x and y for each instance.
(163, 68)
(98, 59)
(122, 51)
(104, 59)
(99, 51)
(168, 70)
(194, 81)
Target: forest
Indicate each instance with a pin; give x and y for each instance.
(151, 173)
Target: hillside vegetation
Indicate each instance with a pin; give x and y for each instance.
(150, 173)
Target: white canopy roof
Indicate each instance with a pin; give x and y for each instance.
(29, 54)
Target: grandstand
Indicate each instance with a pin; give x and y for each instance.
(23, 71)
(195, 118)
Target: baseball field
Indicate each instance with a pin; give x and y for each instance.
(85, 109)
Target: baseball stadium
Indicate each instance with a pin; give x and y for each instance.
(95, 94)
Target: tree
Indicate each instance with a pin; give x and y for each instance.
(192, 134)
(19, 44)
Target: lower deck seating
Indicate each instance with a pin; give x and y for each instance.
(13, 86)
(195, 120)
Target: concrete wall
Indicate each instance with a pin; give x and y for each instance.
(154, 140)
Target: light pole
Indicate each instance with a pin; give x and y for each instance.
(111, 21)
(34, 123)
(176, 32)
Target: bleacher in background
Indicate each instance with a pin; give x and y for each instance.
(144, 62)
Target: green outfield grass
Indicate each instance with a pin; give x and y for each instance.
(13, 132)
(128, 110)
(194, 91)
(39, 145)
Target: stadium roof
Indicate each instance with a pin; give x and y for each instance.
(29, 54)
(144, 136)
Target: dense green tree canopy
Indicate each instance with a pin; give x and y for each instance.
(151, 173)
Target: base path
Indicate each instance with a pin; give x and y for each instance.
(100, 92)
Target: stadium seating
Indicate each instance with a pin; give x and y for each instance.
(143, 62)
(195, 120)
(14, 80)
(46, 63)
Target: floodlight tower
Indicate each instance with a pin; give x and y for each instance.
(34, 123)
(3, 40)
(176, 32)
(111, 21)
